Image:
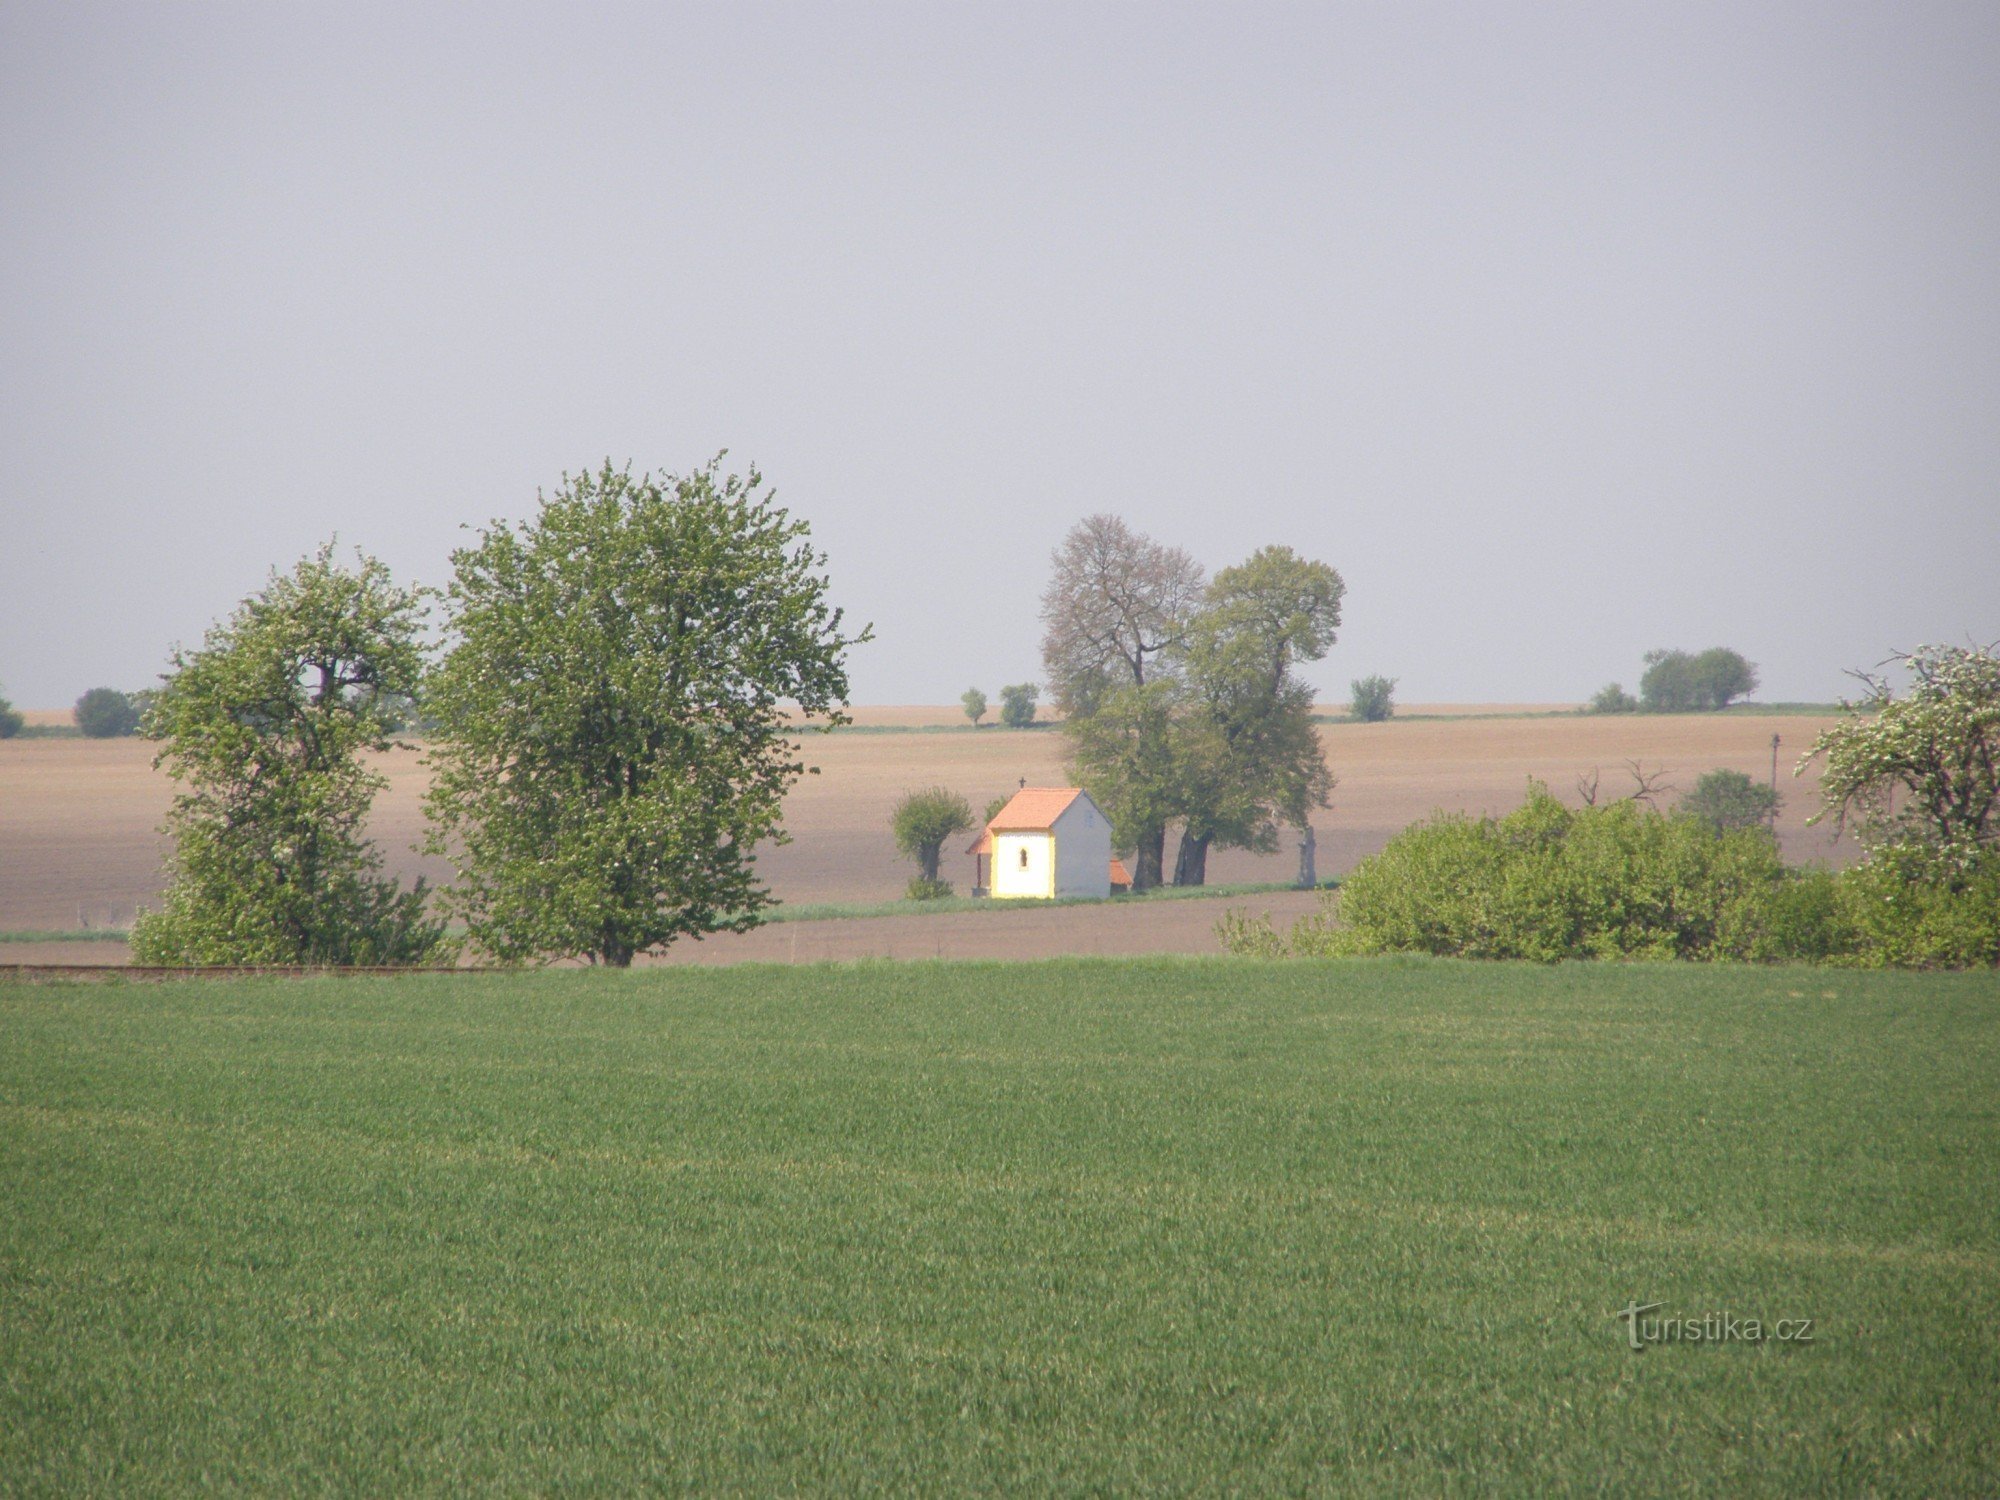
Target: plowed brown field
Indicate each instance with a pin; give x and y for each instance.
(79, 846)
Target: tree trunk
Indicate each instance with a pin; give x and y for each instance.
(1147, 859)
(927, 861)
(1191, 860)
(1308, 865)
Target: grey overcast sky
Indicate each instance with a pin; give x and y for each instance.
(1562, 331)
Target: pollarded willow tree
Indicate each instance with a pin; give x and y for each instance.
(264, 728)
(612, 744)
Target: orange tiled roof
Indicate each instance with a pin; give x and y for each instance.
(1033, 809)
(1119, 874)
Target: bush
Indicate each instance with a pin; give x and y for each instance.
(10, 719)
(1017, 704)
(1729, 800)
(1549, 883)
(105, 713)
(920, 889)
(1546, 882)
(1373, 699)
(1613, 699)
(1908, 909)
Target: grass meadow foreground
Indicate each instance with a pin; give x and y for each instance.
(1150, 1224)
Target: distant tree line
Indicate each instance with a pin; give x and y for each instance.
(101, 713)
(1678, 682)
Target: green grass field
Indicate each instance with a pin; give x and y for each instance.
(1104, 1225)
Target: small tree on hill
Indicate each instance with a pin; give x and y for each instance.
(1723, 676)
(1730, 800)
(105, 713)
(1668, 685)
(924, 820)
(975, 705)
(1613, 699)
(1017, 704)
(1373, 699)
(1679, 682)
(10, 719)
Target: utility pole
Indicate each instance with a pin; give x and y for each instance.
(1774, 786)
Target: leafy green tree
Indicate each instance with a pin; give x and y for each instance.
(1730, 800)
(1017, 705)
(1373, 699)
(1246, 749)
(1126, 756)
(264, 728)
(1723, 676)
(10, 719)
(1668, 685)
(975, 705)
(1920, 772)
(924, 820)
(1613, 699)
(611, 744)
(105, 713)
(1677, 682)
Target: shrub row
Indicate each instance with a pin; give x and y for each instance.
(1549, 882)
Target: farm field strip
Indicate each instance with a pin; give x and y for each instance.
(1086, 1224)
(79, 818)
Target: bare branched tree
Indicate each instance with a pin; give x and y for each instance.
(1646, 784)
(1116, 602)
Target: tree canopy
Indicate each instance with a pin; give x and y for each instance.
(1207, 727)
(263, 728)
(1116, 602)
(612, 744)
(1371, 699)
(1018, 702)
(1920, 771)
(923, 820)
(1729, 800)
(1683, 682)
(105, 713)
(1249, 752)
